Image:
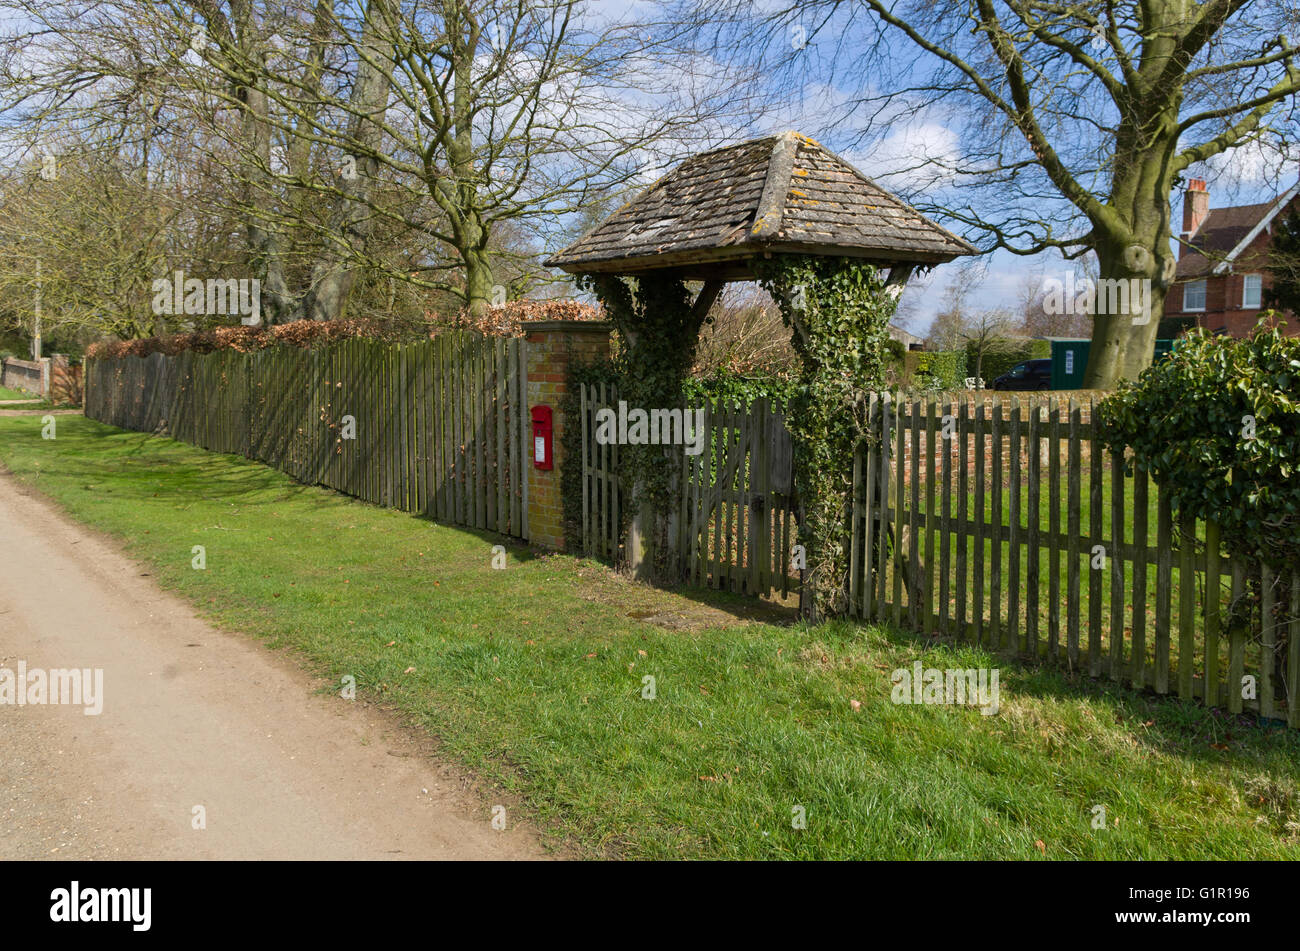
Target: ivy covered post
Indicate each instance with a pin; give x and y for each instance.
(839, 310)
(658, 324)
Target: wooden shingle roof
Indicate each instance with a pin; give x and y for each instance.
(784, 193)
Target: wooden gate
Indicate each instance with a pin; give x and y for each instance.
(734, 524)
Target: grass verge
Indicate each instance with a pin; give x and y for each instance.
(532, 676)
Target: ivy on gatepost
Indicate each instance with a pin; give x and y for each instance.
(658, 326)
(839, 310)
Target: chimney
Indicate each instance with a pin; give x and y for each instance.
(1196, 205)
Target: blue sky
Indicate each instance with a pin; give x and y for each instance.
(818, 97)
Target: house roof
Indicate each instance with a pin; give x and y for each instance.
(784, 193)
(1226, 233)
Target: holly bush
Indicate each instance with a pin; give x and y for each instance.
(1218, 424)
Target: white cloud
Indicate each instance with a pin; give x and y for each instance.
(914, 157)
(1257, 164)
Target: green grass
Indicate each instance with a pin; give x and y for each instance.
(531, 676)
(1107, 533)
(8, 394)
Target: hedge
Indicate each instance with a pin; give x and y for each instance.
(936, 369)
(508, 320)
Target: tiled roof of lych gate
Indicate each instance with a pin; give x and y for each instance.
(783, 192)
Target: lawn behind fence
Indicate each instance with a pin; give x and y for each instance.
(532, 676)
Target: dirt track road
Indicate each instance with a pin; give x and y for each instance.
(196, 717)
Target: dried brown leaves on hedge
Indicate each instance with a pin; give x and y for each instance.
(507, 320)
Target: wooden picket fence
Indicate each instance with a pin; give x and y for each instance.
(993, 521)
(603, 504)
(735, 522)
(438, 427)
(1005, 524)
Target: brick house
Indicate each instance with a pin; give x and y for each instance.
(1221, 276)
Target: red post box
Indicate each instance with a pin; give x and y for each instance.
(542, 449)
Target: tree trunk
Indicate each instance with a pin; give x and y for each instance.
(335, 271)
(1128, 305)
(478, 282)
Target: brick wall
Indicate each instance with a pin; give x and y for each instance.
(552, 345)
(31, 376)
(1223, 296)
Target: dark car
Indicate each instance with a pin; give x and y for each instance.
(1030, 375)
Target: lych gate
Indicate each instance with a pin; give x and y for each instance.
(724, 216)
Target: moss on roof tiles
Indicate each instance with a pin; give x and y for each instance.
(740, 197)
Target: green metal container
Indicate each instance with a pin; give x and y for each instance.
(1070, 359)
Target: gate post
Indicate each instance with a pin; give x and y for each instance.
(551, 345)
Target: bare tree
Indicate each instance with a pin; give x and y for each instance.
(439, 143)
(1039, 319)
(988, 332)
(949, 324)
(744, 333)
(1074, 121)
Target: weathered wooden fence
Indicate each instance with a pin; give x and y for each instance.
(1007, 525)
(734, 525)
(995, 522)
(603, 509)
(437, 427)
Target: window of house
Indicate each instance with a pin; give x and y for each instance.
(1194, 295)
(1252, 287)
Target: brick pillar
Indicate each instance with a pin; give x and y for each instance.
(551, 345)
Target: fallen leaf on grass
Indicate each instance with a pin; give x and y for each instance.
(1038, 844)
(856, 705)
(409, 670)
